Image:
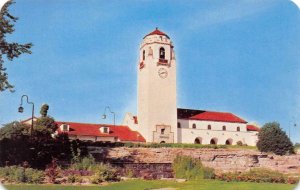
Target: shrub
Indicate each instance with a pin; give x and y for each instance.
(104, 172)
(208, 173)
(239, 143)
(258, 175)
(271, 138)
(74, 179)
(34, 176)
(86, 163)
(190, 168)
(19, 174)
(52, 171)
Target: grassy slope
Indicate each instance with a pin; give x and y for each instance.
(141, 185)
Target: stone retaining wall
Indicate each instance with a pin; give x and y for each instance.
(222, 160)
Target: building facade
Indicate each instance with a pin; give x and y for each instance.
(158, 118)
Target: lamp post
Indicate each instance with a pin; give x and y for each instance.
(21, 109)
(104, 115)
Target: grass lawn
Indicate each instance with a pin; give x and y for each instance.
(141, 185)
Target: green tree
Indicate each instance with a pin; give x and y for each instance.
(13, 130)
(44, 127)
(10, 49)
(271, 138)
(44, 110)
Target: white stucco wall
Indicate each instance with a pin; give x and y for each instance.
(186, 134)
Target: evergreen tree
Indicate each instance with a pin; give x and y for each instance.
(271, 138)
(10, 49)
(44, 110)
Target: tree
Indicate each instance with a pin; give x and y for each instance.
(10, 49)
(44, 110)
(271, 138)
(13, 130)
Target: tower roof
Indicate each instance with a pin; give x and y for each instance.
(157, 32)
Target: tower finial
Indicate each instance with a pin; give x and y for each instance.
(156, 28)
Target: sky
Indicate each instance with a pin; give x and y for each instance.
(232, 56)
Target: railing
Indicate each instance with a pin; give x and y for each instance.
(163, 62)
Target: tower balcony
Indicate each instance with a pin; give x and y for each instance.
(163, 62)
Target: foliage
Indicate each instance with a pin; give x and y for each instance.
(74, 179)
(271, 138)
(239, 143)
(44, 110)
(259, 175)
(37, 152)
(10, 49)
(19, 174)
(14, 129)
(44, 126)
(104, 172)
(86, 163)
(52, 171)
(190, 168)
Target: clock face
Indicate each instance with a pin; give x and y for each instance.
(163, 73)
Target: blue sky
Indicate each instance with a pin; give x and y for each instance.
(236, 56)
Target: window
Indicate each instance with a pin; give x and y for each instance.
(105, 130)
(143, 54)
(213, 141)
(178, 125)
(194, 126)
(228, 142)
(161, 53)
(65, 127)
(238, 129)
(209, 127)
(224, 128)
(198, 141)
(162, 131)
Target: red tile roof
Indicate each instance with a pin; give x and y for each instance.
(218, 116)
(124, 133)
(252, 128)
(157, 32)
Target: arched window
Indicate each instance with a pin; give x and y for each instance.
(194, 126)
(214, 141)
(224, 128)
(143, 55)
(178, 125)
(209, 127)
(238, 129)
(228, 142)
(162, 131)
(198, 140)
(162, 53)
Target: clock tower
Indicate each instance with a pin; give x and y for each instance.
(157, 109)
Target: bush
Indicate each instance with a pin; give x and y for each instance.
(190, 168)
(208, 173)
(52, 171)
(258, 175)
(86, 163)
(104, 172)
(74, 179)
(271, 138)
(19, 174)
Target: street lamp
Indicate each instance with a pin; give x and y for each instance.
(21, 109)
(104, 115)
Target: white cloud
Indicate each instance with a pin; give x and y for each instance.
(297, 2)
(2, 2)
